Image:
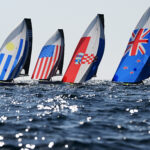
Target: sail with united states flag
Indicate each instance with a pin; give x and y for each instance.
(135, 64)
(88, 54)
(50, 60)
(15, 52)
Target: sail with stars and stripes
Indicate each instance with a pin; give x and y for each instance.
(88, 54)
(135, 64)
(50, 60)
(15, 52)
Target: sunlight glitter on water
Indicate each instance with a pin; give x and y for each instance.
(30, 146)
(1, 137)
(88, 119)
(84, 116)
(18, 135)
(51, 144)
(58, 104)
(3, 119)
(2, 143)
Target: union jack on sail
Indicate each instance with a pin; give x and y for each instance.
(136, 42)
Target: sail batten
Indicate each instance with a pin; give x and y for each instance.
(88, 53)
(51, 58)
(135, 64)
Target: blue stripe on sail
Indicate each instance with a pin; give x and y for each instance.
(1, 57)
(22, 60)
(99, 56)
(16, 59)
(5, 67)
(47, 51)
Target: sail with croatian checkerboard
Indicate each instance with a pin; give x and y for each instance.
(50, 60)
(135, 64)
(15, 52)
(88, 54)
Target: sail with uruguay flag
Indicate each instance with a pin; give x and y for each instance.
(135, 64)
(15, 52)
(50, 60)
(88, 54)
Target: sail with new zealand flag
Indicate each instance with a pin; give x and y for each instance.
(135, 64)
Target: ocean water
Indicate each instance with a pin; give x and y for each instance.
(96, 115)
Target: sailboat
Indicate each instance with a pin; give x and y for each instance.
(50, 60)
(15, 53)
(88, 53)
(135, 64)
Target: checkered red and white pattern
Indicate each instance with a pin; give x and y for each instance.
(87, 59)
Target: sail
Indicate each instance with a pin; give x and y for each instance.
(50, 60)
(88, 54)
(135, 64)
(15, 51)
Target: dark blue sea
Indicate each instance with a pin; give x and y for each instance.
(96, 115)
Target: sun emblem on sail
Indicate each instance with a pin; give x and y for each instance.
(136, 42)
(10, 46)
